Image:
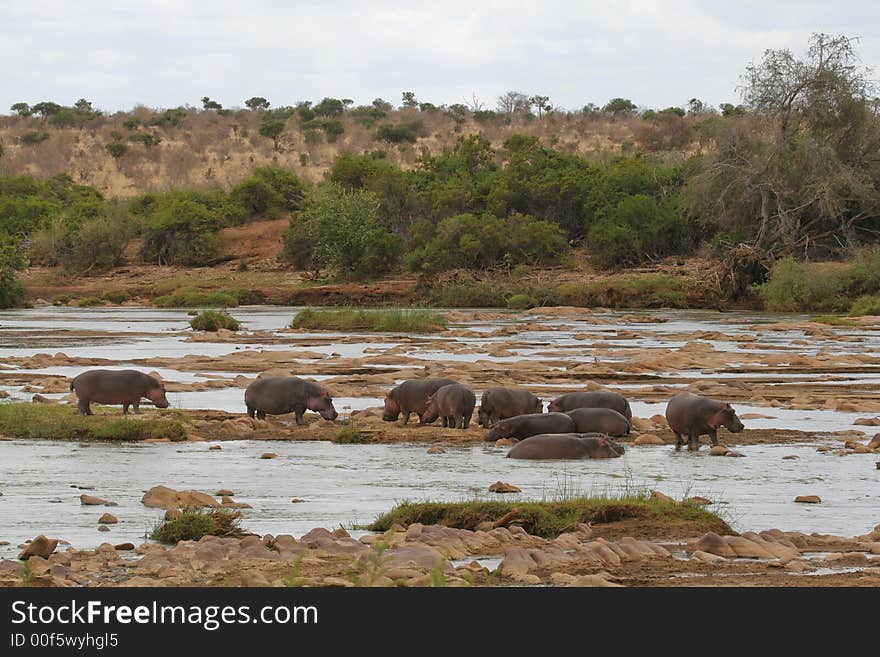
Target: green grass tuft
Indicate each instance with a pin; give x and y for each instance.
(193, 524)
(865, 305)
(212, 320)
(379, 320)
(350, 436)
(51, 422)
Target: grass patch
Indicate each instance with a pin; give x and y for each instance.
(350, 436)
(547, 519)
(480, 294)
(62, 299)
(190, 298)
(865, 305)
(51, 422)
(520, 302)
(213, 320)
(834, 320)
(626, 291)
(87, 302)
(116, 297)
(193, 524)
(358, 319)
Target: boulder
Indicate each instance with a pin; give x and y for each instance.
(108, 519)
(162, 497)
(91, 500)
(436, 450)
(503, 487)
(718, 450)
(39, 547)
(268, 455)
(661, 497)
(648, 439)
(714, 544)
(808, 499)
(699, 501)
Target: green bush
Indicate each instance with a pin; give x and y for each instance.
(190, 298)
(519, 302)
(88, 302)
(183, 233)
(34, 137)
(211, 320)
(866, 305)
(796, 287)
(350, 436)
(11, 262)
(256, 197)
(360, 319)
(116, 297)
(397, 134)
(193, 524)
(625, 291)
(62, 299)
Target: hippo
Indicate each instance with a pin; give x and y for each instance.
(411, 397)
(694, 416)
(277, 395)
(499, 403)
(566, 446)
(454, 402)
(523, 426)
(594, 399)
(124, 387)
(602, 420)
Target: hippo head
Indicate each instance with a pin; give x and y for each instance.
(609, 446)
(726, 417)
(499, 430)
(392, 409)
(157, 396)
(554, 407)
(539, 406)
(323, 404)
(432, 411)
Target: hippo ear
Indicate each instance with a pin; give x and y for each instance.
(325, 394)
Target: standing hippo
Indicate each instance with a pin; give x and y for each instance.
(411, 397)
(499, 403)
(454, 403)
(277, 395)
(124, 387)
(594, 399)
(694, 416)
(523, 426)
(601, 420)
(566, 446)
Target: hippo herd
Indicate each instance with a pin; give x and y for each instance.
(577, 425)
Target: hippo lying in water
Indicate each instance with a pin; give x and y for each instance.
(523, 426)
(594, 399)
(411, 397)
(278, 395)
(499, 403)
(125, 387)
(566, 446)
(454, 403)
(694, 416)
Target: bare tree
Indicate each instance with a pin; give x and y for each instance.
(513, 102)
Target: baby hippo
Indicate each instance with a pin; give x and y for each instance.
(454, 402)
(499, 403)
(278, 395)
(523, 426)
(601, 420)
(124, 387)
(566, 446)
(409, 397)
(693, 416)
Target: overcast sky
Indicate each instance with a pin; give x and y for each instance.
(165, 53)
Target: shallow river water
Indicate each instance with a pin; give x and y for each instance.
(352, 484)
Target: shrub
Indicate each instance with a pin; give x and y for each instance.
(116, 297)
(211, 320)
(350, 436)
(397, 134)
(256, 197)
(866, 305)
(353, 319)
(11, 262)
(184, 232)
(145, 138)
(116, 149)
(286, 184)
(625, 291)
(193, 524)
(34, 137)
(190, 298)
(88, 302)
(794, 287)
(62, 299)
(519, 302)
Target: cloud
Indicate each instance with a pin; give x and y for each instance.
(165, 53)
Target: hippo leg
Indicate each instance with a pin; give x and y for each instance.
(406, 417)
(298, 414)
(125, 408)
(261, 415)
(694, 442)
(83, 406)
(678, 441)
(137, 407)
(445, 421)
(714, 436)
(464, 421)
(251, 411)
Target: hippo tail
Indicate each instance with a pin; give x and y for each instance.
(71, 385)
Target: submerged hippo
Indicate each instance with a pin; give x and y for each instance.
(277, 395)
(693, 416)
(566, 446)
(594, 399)
(499, 403)
(523, 426)
(601, 420)
(454, 403)
(411, 397)
(124, 387)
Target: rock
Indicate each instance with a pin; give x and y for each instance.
(268, 455)
(124, 546)
(214, 448)
(661, 497)
(591, 580)
(706, 557)
(162, 497)
(103, 528)
(875, 442)
(648, 439)
(714, 544)
(700, 501)
(436, 450)
(108, 519)
(503, 487)
(823, 448)
(734, 454)
(224, 491)
(718, 450)
(790, 457)
(39, 547)
(91, 500)
(868, 421)
(229, 503)
(808, 499)
(296, 500)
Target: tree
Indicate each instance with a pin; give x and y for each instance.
(799, 171)
(257, 103)
(541, 103)
(696, 106)
(209, 104)
(513, 102)
(409, 100)
(46, 109)
(729, 109)
(11, 262)
(273, 128)
(22, 109)
(618, 106)
(382, 105)
(329, 107)
(116, 149)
